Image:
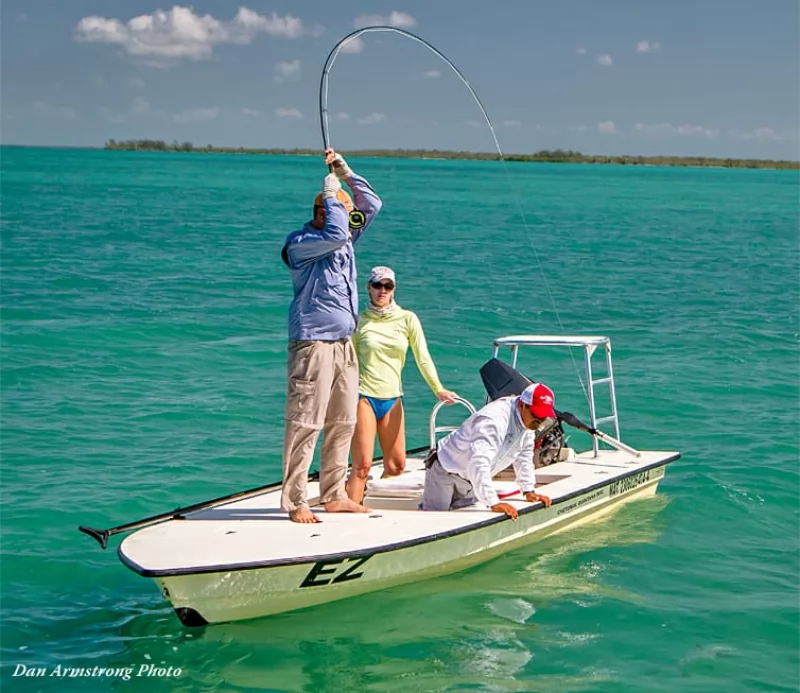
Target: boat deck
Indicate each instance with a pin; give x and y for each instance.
(254, 532)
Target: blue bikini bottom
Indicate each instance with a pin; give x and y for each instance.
(381, 407)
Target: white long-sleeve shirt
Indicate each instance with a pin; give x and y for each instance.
(488, 442)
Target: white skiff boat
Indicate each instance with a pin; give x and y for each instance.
(239, 557)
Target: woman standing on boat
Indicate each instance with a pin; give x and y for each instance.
(385, 332)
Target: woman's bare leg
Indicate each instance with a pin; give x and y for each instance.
(392, 436)
(362, 449)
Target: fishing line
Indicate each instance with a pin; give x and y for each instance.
(323, 118)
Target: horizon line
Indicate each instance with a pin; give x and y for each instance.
(355, 152)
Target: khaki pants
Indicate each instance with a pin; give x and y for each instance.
(322, 395)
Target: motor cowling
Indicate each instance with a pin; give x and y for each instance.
(548, 446)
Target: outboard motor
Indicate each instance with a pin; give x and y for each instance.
(501, 380)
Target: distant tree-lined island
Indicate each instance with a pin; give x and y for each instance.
(566, 156)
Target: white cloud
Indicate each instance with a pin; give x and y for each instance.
(46, 110)
(685, 130)
(285, 70)
(342, 116)
(250, 112)
(581, 51)
(22, 18)
(579, 128)
(136, 83)
(179, 33)
(196, 115)
(140, 105)
(353, 45)
(511, 123)
(694, 130)
(473, 123)
(764, 134)
(604, 60)
(399, 19)
(606, 127)
(372, 118)
(648, 47)
(433, 74)
(288, 113)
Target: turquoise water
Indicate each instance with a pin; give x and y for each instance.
(143, 355)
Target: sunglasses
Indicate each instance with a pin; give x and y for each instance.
(383, 285)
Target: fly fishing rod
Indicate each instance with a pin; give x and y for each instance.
(323, 84)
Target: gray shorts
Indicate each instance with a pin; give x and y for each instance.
(445, 491)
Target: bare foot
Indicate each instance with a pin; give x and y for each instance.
(303, 515)
(346, 506)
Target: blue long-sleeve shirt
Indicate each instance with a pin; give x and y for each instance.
(323, 268)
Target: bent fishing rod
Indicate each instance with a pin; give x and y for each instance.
(331, 59)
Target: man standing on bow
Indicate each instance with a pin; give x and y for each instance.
(322, 368)
(500, 434)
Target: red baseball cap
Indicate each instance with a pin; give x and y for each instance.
(540, 400)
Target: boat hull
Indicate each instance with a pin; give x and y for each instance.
(245, 593)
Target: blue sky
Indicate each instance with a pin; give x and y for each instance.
(684, 77)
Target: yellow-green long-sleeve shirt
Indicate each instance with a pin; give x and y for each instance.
(381, 343)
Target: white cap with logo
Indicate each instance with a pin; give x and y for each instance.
(378, 274)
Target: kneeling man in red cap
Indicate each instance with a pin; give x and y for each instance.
(500, 434)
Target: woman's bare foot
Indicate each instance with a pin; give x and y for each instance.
(303, 515)
(353, 493)
(346, 506)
